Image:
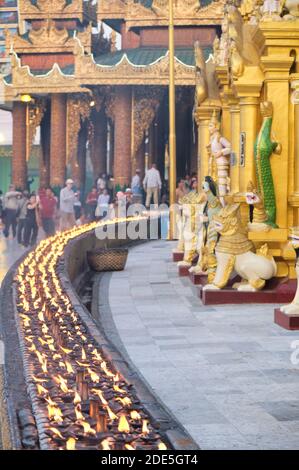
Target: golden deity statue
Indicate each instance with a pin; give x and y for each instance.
(220, 151)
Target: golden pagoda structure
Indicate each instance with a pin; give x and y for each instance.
(256, 71)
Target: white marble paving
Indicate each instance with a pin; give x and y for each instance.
(225, 372)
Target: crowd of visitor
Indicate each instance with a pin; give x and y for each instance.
(23, 213)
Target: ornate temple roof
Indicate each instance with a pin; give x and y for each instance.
(84, 10)
(144, 57)
(148, 13)
(142, 66)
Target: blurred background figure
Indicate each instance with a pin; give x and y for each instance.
(67, 201)
(137, 187)
(77, 208)
(102, 182)
(48, 211)
(102, 208)
(22, 213)
(181, 190)
(91, 204)
(152, 185)
(11, 205)
(31, 222)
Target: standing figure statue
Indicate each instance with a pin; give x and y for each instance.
(208, 236)
(220, 151)
(271, 10)
(293, 307)
(292, 6)
(192, 204)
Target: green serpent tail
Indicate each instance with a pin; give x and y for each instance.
(264, 148)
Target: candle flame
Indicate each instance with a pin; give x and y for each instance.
(105, 445)
(71, 444)
(145, 429)
(87, 428)
(112, 416)
(123, 425)
(57, 433)
(77, 398)
(41, 390)
(135, 415)
(129, 447)
(162, 446)
(78, 413)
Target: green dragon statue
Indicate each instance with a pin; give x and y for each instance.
(263, 149)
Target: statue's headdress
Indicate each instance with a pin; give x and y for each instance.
(215, 119)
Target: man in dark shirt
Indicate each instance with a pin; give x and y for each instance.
(48, 207)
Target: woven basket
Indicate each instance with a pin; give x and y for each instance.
(107, 259)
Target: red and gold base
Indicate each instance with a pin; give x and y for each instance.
(198, 279)
(289, 322)
(276, 291)
(177, 256)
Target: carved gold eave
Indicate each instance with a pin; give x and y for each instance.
(136, 15)
(280, 35)
(55, 81)
(88, 73)
(276, 66)
(111, 9)
(221, 75)
(48, 40)
(250, 84)
(6, 91)
(55, 9)
(126, 73)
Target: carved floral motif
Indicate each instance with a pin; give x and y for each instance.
(56, 9)
(78, 109)
(185, 12)
(36, 113)
(146, 104)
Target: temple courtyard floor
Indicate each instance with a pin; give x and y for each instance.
(225, 372)
(10, 252)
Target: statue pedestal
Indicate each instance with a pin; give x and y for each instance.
(184, 271)
(288, 322)
(198, 279)
(277, 291)
(177, 256)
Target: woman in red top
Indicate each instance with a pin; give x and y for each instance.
(48, 207)
(91, 204)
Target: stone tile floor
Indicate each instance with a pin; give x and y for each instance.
(225, 372)
(10, 251)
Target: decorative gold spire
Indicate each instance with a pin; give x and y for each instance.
(215, 119)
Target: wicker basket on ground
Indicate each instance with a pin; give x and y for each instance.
(107, 259)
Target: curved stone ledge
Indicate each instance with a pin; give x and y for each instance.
(69, 268)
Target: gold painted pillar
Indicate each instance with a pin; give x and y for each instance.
(235, 141)
(293, 171)
(225, 95)
(226, 120)
(203, 116)
(293, 199)
(249, 119)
